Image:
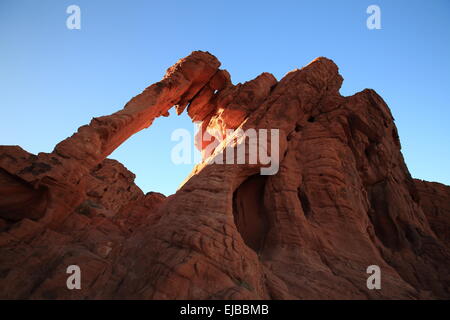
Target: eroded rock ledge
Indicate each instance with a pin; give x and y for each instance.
(342, 200)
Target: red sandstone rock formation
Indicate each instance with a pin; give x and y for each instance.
(342, 200)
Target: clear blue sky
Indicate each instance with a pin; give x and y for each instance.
(53, 80)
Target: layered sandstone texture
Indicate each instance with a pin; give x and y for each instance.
(342, 200)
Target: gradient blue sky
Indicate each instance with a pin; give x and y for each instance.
(53, 80)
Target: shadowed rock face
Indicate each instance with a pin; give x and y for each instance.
(249, 212)
(342, 200)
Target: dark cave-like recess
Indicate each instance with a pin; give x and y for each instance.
(249, 212)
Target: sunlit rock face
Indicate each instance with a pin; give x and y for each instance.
(341, 201)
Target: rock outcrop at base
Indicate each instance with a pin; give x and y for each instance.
(341, 201)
